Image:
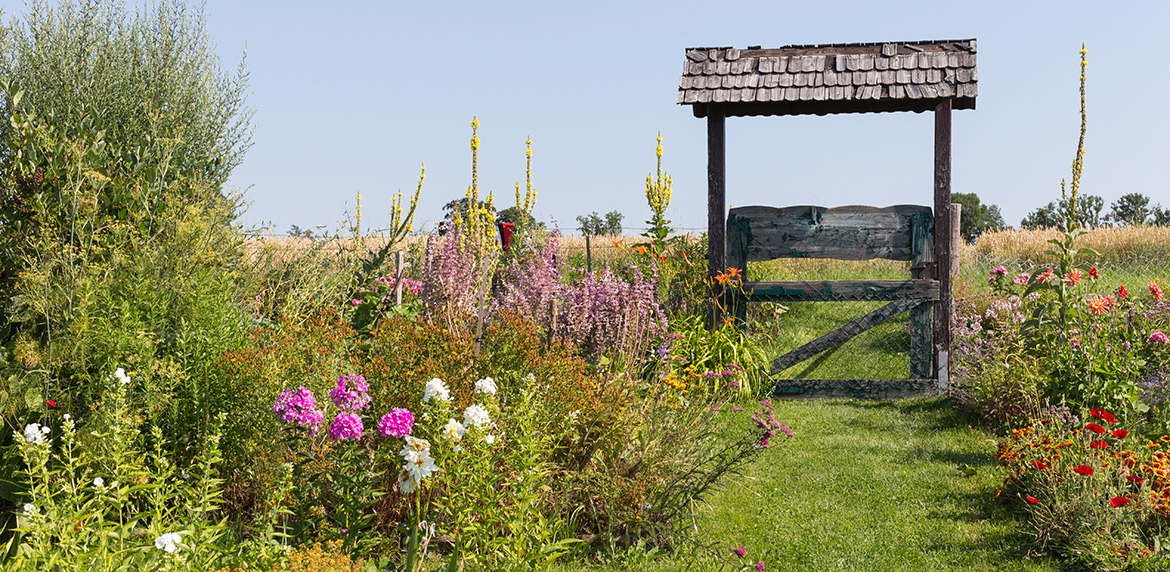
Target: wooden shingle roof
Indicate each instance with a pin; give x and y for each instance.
(830, 78)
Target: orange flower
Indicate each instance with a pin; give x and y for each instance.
(1098, 305)
(1045, 276)
(1073, 277)
(619, 243)
(641, 249)
(1155, 291)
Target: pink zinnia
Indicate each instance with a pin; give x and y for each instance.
(1045, 276)
(1157, 338)
(1155, 291)
(1073, 277)
(397, 423)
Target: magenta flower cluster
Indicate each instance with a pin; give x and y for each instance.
(408, 284)
(299, 407)
(351, 399)
(766, 420)
(397, 423)
(346, 426)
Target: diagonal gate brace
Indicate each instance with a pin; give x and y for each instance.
(843, 334)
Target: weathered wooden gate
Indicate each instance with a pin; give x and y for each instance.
(903, 232)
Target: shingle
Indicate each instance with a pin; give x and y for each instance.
(933, 76)
(840, 62)
(740, 81)
(714, 82)
(806, 93)
(682, 98)
(710, 67)
(723, 68)
(705, 96)
(954, 60)
(814, 64)
(889, 49)
(830, 78)
(910, 61)
(974, 74)
(818, 79)
(777, 94)
(765, 65)
(786, 80)
(887, 76)
(728, 82)
(902, 76)
(771, 80)
(913, 92)
(918, 76)
(968, 60)
(949, 75)
(896, 63)
(945, 89)
(719, 96)
(696, 55)
(733, 96)
(871, 77)
(753, 81)
(818, 93)
(963, 75)
(866, 62)
(800, 79)
(881, 64)
(940, 60)
(747, 95)
(853, 62)
(791, 93)
(929, 91)
(732, 55)
(713, 54)
(897, 91)
(858, 78)
(736, 67)
(780, 65)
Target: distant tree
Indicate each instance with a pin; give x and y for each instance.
(977, 217)
(594, 224)
(1052, 214)
(1160, 216)
(1130, 209)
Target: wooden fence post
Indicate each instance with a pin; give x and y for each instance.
(956, 238)
(942, 239)
(399, 267)
(716, 209)
(588, 255)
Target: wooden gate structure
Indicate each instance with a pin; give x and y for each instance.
(920, 76)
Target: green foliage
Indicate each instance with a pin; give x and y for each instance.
(137, 76)
(593, 224)
(1049, 216)
(977, 217)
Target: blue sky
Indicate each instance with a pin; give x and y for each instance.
(354, 96)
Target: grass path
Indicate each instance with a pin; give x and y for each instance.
(866, 486)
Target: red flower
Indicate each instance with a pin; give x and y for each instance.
(1040, 465)
(1032, 500)
(1073, 277)
(1118, 502)
(1155, 291)
(78, 525)
(1108, 417)
(51, 403)
(1122, 292)
(1098, 444)
(1135, 479)
(1093, 273)
(1083, 470)
(1121, 433)
(1095, 428)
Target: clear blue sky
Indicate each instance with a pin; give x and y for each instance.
(353, 96)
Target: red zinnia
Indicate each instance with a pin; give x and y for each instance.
(1155, 291)
(1098, 444)
(1095, 428)
(78, 525)
(1032, 500)
(1093, 273)
(1135, 479)
(1083, 470)
(1108, 417)
(51, 403)
(1122, 292)
(1040, 465)
(1118, 502)
(1121, 433)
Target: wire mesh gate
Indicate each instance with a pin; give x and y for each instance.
(900, 308)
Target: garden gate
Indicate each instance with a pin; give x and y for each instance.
(901, 232)
(935, 76)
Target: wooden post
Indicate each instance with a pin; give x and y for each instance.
(399, 267)
(956, 238)
(716, 208)
(588, 255)
(942, 237)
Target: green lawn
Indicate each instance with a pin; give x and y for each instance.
(867, 486)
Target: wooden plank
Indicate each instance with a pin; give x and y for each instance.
(834, 290)
(716, 204)
(842, 334)
(853, 388)
(922, 316)
(942, 228)
(843, 233)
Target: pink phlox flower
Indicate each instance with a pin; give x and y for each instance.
(346, 426)
(299, 407)
(1158, 338)
(356, 302)
(740, 552)
(351, 399)
(397, 423)
(1022, 278)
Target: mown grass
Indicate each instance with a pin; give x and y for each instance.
(863, 486)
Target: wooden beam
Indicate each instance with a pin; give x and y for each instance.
(716, 206)
(841, 290)
(853, 388)
(842, 334)
(942, 232)
(841, 233)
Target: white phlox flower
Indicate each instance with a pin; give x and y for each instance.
(476, 416)
(406, 483)
(99, 482)
(491, 439)
(35, 434)
(31, 509)
(452, 431)
(414, 448)
(437, 390)
(121, 377)
(168, 542)
(486, 385)
(421, 467)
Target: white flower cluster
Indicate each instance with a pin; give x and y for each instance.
(168, 542)
(453, 431)
(437, 390)
(476, 416)
(486, 385)
(35, 434)
(31, 509)
(418, 464)
(121, 377)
